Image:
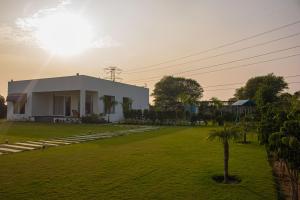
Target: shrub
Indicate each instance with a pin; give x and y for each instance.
(93, 119)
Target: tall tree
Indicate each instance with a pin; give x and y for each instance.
(172, 93)
(3, 107)
(225, 135)
(268, 86)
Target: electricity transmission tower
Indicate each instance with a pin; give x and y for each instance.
(113, 72)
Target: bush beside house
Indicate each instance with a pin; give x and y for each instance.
(3, 107)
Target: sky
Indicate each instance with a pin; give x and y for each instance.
(49, 38)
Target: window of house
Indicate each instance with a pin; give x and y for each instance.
(127, 103)
(88, 104)
(19, 107)
(109, 104)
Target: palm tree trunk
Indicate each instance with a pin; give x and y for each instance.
(226, 158)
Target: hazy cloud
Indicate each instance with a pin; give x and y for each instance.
(24, 30)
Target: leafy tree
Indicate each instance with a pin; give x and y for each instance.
(240, 93)
(273, 115)
(268, 86)
(172, 93)
(297, 94)
(285, 147)
(268, 123)
(295, 107)
(225, 135)
(232, 100)
(3, 107)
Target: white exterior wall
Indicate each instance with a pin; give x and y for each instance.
(40, 95)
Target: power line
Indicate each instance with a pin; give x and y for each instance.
(226, 44)
(236, 88)
(112, 71)
(292, 76)
(217, 55)
(239, 66)
(239, 83)
(242, 59)
(220, 89)
(220, 85)
(246, 65)
(225, 63)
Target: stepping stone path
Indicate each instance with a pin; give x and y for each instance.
(9, 150)
(18, 147)
(75, 139)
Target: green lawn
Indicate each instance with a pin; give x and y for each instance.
(22, 131)
(170, 163)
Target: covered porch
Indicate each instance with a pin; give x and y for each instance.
(64, 105)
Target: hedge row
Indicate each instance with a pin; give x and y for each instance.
(153, 115)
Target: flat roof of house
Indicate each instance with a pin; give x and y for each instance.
(79, 75)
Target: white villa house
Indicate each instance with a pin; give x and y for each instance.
(71, 97)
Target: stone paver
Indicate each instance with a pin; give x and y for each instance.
(42, 143)
(78, 139)
(30, 145)
(59, 142)
(17, 147)
(2, 149)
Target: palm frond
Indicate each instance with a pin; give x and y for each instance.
(227, 133)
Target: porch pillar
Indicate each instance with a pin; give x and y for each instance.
(82, 103)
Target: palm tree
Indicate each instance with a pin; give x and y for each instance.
(109, 104)
(225, 135)
(246, 125)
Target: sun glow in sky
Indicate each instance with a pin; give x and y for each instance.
(64, 34)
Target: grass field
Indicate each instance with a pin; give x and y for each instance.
(22, 131)
(170, 163)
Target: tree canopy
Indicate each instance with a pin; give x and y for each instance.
(172, 93)
(262, 88)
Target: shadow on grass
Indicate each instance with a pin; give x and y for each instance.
(231, 179)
